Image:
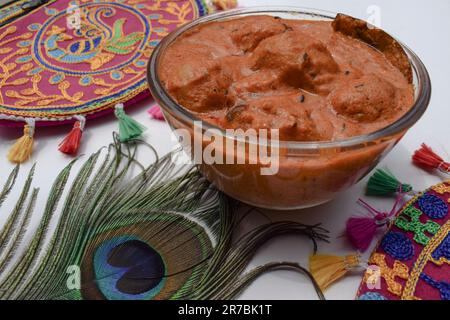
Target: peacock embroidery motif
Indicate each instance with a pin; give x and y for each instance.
(94, 42)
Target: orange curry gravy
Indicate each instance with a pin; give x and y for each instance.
(298, 76)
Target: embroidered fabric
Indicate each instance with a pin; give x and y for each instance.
(412, 261)
(83, 57)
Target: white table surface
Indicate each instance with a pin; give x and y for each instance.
(422, 25)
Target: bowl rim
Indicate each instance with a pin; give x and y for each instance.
(422, 90)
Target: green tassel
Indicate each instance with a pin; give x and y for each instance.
(383, 182)
(129, 128)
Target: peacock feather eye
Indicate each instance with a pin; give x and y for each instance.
(157, 259)
(126, 266)
(142, 262)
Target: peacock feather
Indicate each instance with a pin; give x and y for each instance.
(164, 233)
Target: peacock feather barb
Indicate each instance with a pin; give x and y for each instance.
(163, 233)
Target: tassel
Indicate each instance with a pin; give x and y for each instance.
(156, 113)
(362, 230)
(327, 269)
(129, 128)
(71, 142)
(383, 182)
(427, 159)
(225, 4)
(23, 147)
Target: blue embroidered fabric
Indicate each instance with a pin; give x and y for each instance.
(372, 296)
(443, 250)
(443, 287)
(398, 246)
(433, 206)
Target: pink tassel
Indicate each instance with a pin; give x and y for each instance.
(362, 230)
(156, 113)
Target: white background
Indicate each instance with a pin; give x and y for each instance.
(422, 25)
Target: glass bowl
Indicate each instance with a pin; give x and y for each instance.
(309, 173)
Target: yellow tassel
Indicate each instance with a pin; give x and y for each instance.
(23, 147)
(327, 269)
(225, 4)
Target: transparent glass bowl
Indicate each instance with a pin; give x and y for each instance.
(310, 173)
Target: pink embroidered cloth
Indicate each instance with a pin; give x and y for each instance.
(412, 261)
(72, 58)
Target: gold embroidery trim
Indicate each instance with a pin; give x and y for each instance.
(423, 259)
